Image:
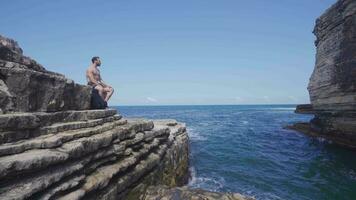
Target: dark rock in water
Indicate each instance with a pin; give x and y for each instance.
(332, 85)
(304, 109)
(27, 86)
(338, 138)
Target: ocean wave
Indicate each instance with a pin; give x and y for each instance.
(268, 196)
(210, 183)
(244, 122)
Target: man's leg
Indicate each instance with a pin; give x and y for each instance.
(101, 91)
(109, 91)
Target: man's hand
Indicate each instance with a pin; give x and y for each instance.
(104, 84)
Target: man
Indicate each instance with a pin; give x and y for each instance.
(94, 80)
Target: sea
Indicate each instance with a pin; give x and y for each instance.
(246, 149)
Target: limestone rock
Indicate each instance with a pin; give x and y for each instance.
(11, 51)
(89, 154)
(27, 86)
(332, 85)
(304, 109)
(177, 193)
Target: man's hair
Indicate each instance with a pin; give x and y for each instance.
(95, 58)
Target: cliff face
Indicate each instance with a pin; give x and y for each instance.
(332, 85)
(26, 86)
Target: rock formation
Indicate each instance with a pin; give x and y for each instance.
(332, 85)
(92, 154)
(53, 147)
(26, 86)
(304, 109)
(163, 192)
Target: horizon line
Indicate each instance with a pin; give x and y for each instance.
(284, 104)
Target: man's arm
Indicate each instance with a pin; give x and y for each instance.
(103, 83)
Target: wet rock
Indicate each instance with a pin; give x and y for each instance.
(180, 193)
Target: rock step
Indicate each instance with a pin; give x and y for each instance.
(17, 135)
(175, 127)
(54, 140)
(60, 127)
(96, 179)
(23, 121)
(78, 143)
(38, 159)
(164, 192)
(40, 180)
(101, 178)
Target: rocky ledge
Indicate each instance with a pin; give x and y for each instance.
(164, 192)
(332, 85)
(304, 109)
(95, 155)
(52, 146)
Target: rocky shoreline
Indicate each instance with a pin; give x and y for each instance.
(52, 146)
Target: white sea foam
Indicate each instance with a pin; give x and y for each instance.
(209, 183)
(195, 135)
(193, 176)
(320, 139)
(268, 195)
(352, 175)
(244, 122)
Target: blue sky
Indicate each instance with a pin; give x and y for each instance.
(161, 52)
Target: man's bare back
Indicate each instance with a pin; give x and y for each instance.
(94, 80)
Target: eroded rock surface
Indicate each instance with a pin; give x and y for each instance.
(26, 86)
(304, 109)
(163, 192)
(332, 85)
(89, 155)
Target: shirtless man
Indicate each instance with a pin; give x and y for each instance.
(94, 80)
